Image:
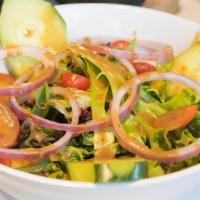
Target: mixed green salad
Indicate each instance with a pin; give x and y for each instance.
(98, 110)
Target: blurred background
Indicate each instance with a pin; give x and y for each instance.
(134, 2)
(165, 5)
(189, 9)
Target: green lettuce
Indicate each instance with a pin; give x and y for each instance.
(185, 98)
(99, 88)
(114, 74)
(155, 169)
(42, 97)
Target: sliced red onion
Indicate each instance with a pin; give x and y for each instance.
(62, 56)
(33, 154)
(122, 56)
(158, 52)
(126, 54)
(134, 145)
(154, 51)
(145, 50)
(40, 54)
(124, 60)
(98, 48)
(67, 94)
(80, 128)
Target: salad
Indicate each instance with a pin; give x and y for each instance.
(97, 110)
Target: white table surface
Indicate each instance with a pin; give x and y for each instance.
(190, 9)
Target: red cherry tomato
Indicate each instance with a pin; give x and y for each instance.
(119, 44)
(5, 161)
(143, 67)
(9, 127)
(73, 80)
(176, 118)
(172, 119)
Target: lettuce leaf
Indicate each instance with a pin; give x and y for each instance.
(154, 169)
(99, 88)
(185, 98)
(115, 74)
(41, 107)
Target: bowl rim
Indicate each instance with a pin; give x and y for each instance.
(84, 185)
(87, 185)
(128, 7)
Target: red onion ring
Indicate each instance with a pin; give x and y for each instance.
(124, 61)
(33, 154)
(40, 54)
(145, 50)
(153, 51)
(66, 93)
(97, 48)
(76, 129)
(137, 147)
(122, 55)
(61, 56)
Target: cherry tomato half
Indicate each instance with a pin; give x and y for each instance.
(9, 127)
(73, 80)
(119, 44)
(176, 118)
(143, 67)
(172, 119)
(5, 161)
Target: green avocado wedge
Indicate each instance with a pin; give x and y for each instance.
(188, 63)
(30, 22)
(18, 65)
(108, 171)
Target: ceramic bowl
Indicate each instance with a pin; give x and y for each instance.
(112, 20)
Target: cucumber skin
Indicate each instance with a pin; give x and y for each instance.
(106, 172)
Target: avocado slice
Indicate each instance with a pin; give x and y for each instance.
(107, 171)
(18, 65)
(32, 22)
(188, 63)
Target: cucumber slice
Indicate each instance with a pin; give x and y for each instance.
(81, 171)
(32, 22)
(188, 63)
(18, 65)
(107, 171)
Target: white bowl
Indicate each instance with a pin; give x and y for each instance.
(118, 21)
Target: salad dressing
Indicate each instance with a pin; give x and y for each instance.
(105, 153)
(82, 142)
